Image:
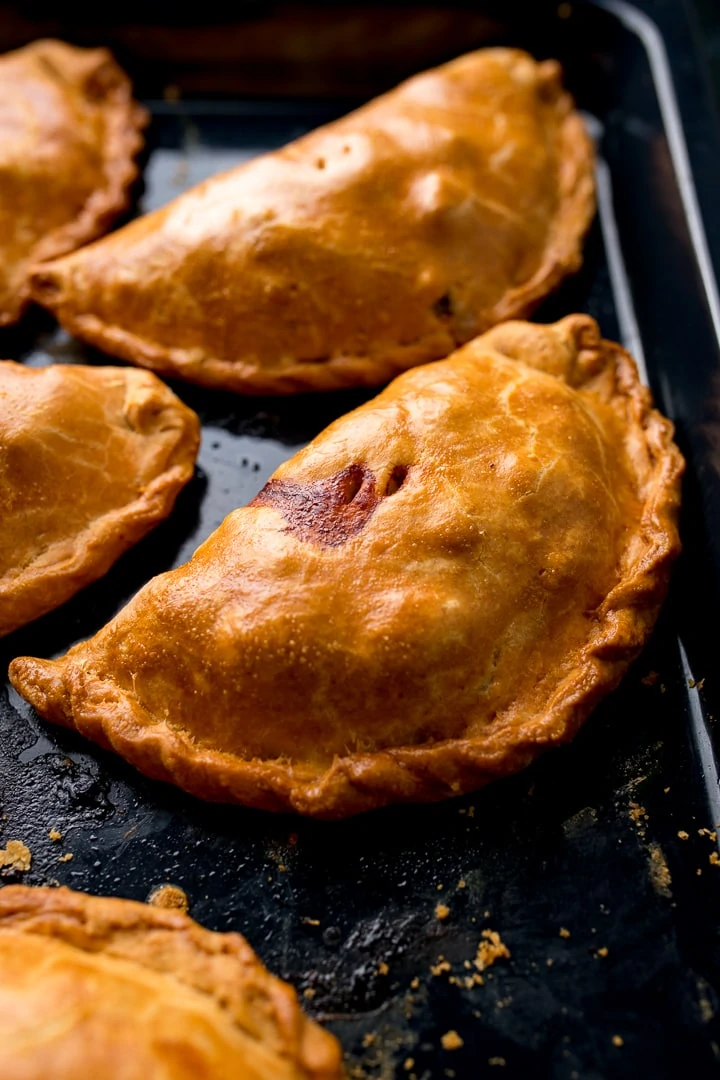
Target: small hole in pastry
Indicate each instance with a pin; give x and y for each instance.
(46, 286)
(320, 163)
(443, 307)
(352, 481)
(397, 479)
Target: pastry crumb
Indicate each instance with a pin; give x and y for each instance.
(441, 966)
(441, 911)
(682, 835)
(462, 884)
(383, 968)
(549, 961)
(310, 922)
(440, 888)
(451, 1041)
(309, 992)
(650, 679)
(564, 932)
(414, 983)
(369, 1038)
(169, 896)
(408, 1064)
(15, 856)
(710, 833)
(490, 949)
(637, 813)
(617, 1040)
(55, 835)
(66, 857)
(714, 858)
(603, 951)
(497, 1061)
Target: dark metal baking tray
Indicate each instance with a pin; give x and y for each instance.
(592, 838)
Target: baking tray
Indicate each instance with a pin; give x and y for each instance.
(580, 863)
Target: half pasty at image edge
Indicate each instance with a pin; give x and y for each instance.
(442, 584)
(376, 243)
(92, 985)
(71, 133)
(90, 460)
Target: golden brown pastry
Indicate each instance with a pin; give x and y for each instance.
(69, 133)
(371, 245)
(438, 587)
(96, 987)
(90, 460)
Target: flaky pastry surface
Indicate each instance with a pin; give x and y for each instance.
(371, 245)
(69, 133)
(90, 460)
(439, 586)
(93, 986)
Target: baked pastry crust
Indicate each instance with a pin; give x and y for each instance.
(441, 585)
(103, 987)
(374, 244)
(69, 133)
(90, 460)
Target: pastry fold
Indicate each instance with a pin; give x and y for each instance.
(90, 460)
(112, 988)
(369, 246)
(69, 134)
(438, 587)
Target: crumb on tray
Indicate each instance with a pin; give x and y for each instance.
(490, 949)
(169, 896)
(441, 966)
(15, 856)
